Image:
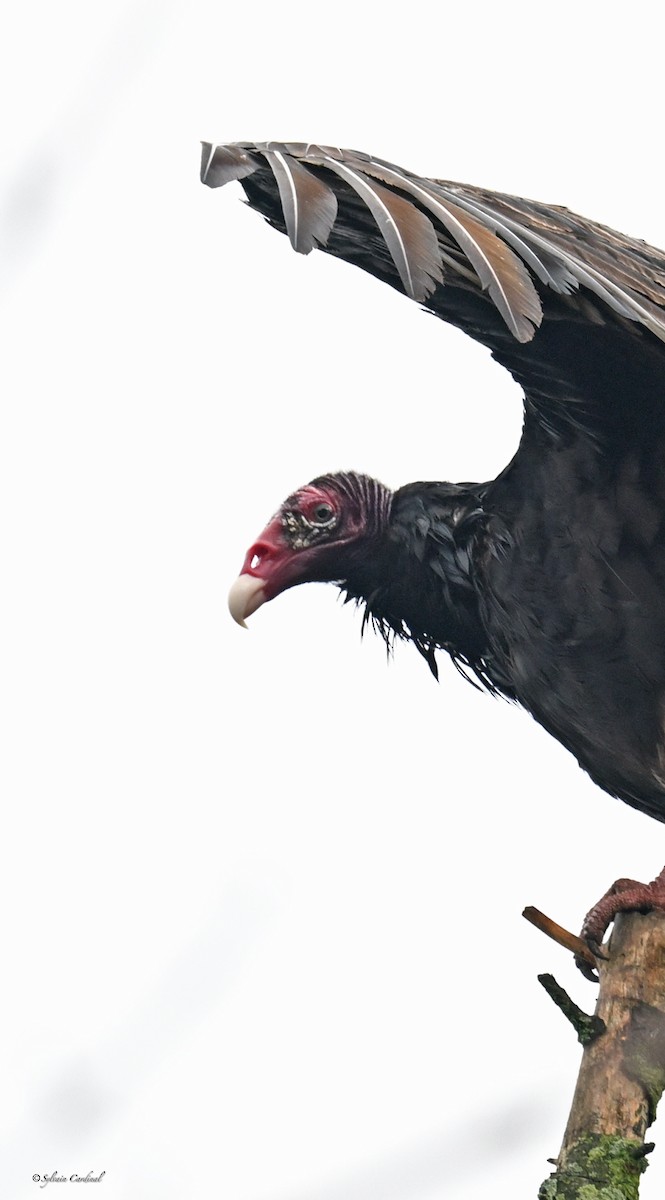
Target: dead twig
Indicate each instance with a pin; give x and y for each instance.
(568, 940)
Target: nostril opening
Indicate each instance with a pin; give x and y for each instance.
(258, 557)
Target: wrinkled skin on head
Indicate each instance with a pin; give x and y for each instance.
(316, 536)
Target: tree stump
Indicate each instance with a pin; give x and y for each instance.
(622, 1073)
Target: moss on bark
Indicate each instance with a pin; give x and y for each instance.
(598, 1167)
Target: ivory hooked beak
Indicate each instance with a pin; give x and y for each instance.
(245, 597)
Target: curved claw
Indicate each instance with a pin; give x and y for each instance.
(586, 969)
(597, 950)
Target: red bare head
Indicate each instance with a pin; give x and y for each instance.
(315, 537)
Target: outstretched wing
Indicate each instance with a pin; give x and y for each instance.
(574, 310)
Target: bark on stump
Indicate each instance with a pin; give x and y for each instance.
(622, 1073)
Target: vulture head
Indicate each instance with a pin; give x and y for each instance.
(327, 531)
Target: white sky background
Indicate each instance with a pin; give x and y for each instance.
(261, 894)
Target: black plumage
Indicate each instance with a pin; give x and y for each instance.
(548, 583)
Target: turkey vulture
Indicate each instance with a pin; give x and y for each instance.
(546, 584)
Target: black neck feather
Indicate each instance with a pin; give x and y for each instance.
(417, 580)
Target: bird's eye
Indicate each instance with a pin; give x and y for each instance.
(323, 514)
